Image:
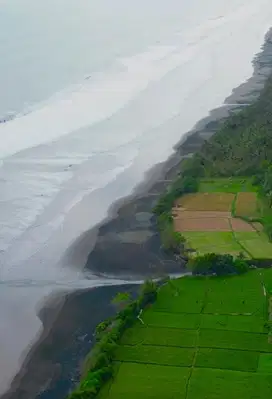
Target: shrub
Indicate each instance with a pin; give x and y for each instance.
(241, 266)
(172, 240)
(101, 328)
(217, 264)
(148, 293)
(164, 204)
(98, 365)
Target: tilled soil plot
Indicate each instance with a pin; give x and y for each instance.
(240, 225)
(202, 224)
(206, 202)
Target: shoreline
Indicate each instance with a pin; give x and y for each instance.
(53, 364)
(125, 243)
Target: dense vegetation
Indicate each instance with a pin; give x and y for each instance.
(241, 147)
(98, 367)
(217, 264)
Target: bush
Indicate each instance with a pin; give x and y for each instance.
(217, 264)
(164, 204)
(98, 365)
(101, 328)
(241, 266)
(148, 294)
(172, 240)
(184, 184)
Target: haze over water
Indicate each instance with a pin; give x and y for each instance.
(102, 91)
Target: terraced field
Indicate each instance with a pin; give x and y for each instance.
(217, 219)
(203, 338)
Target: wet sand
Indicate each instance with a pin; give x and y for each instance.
(126, 244)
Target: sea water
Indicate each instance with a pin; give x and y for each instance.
(93, 94)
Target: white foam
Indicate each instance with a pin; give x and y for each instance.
(137, 100)
(102, 95)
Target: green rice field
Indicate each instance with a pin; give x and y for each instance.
(222, 242)
(226, 185)
(205, 337)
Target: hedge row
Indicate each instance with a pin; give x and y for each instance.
(98, 366)
(217, 264)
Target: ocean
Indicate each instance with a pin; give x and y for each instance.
(93, 94)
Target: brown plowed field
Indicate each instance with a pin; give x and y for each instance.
(246, 204)
(209, 221)
(180, 214)
(202, 224)
(206, 202)
(240, 225)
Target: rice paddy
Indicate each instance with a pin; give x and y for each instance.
(202, 338)
(219, 219)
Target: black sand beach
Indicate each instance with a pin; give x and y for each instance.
(54, 363)
(125, 245)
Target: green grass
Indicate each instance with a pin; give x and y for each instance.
(259, 248)
(182, 297)
(234, 323)
(159, 336)
(162, 355)
(146, 381)
(234, 340)
(203, 339)
(250, 242)
(227, 359)
(248, 298)
(212, 241)
(227, 185)
(172, 320)
(265, 363)
(225, 384)
(255, 243)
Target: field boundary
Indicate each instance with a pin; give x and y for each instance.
(199, 206)
(187, 367)
(238, 242)
(203, 328)
(233, 206)
(208, 313)
(197, 340)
